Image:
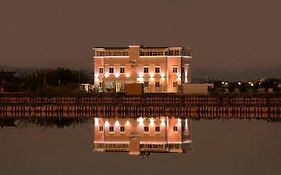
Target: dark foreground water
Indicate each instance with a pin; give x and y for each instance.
(218, 147)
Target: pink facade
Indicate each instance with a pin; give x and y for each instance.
(136, 136)
(160, 69)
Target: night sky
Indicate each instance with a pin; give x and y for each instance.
(229, 39)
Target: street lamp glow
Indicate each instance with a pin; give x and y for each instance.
(127, 75)
(117, 75)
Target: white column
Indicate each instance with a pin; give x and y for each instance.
(186, 69)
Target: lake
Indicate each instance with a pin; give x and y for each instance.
(219, 147)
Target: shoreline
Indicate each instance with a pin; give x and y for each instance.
(195, 107)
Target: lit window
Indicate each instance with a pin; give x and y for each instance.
(157, 84)
(157, 69)
(146, 83)
(175, 129)
(175, 70)
(111, 129)
(157, 129)
(122, 129)
(145, 70)
(111, 70)
(175, 84)
(146, 129)
(101, 129)
(101, 70)
(122, 70)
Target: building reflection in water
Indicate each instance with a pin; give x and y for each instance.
(142, 136)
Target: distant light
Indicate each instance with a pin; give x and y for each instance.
(96, 75)
(222, 82)
(106, 75)
(117, 75)
(151, 75)
(106, 124)
(226, 83)
(239, 83)
(127, 75)
(162, 75)
(252, 84)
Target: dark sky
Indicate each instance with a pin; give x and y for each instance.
(229, 38)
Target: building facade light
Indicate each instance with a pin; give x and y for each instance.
(96, 121)
(117, 124)
(127, 75)
(106, 124)
(106, 75)
(151, 122)
(162, 121)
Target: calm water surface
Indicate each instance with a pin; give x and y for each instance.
(218, 147)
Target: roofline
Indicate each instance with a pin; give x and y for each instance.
(142, 47)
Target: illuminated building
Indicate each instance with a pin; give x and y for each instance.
(159, 69)
(143, 135)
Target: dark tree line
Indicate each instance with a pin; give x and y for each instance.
(41, 79)
(54, 77)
